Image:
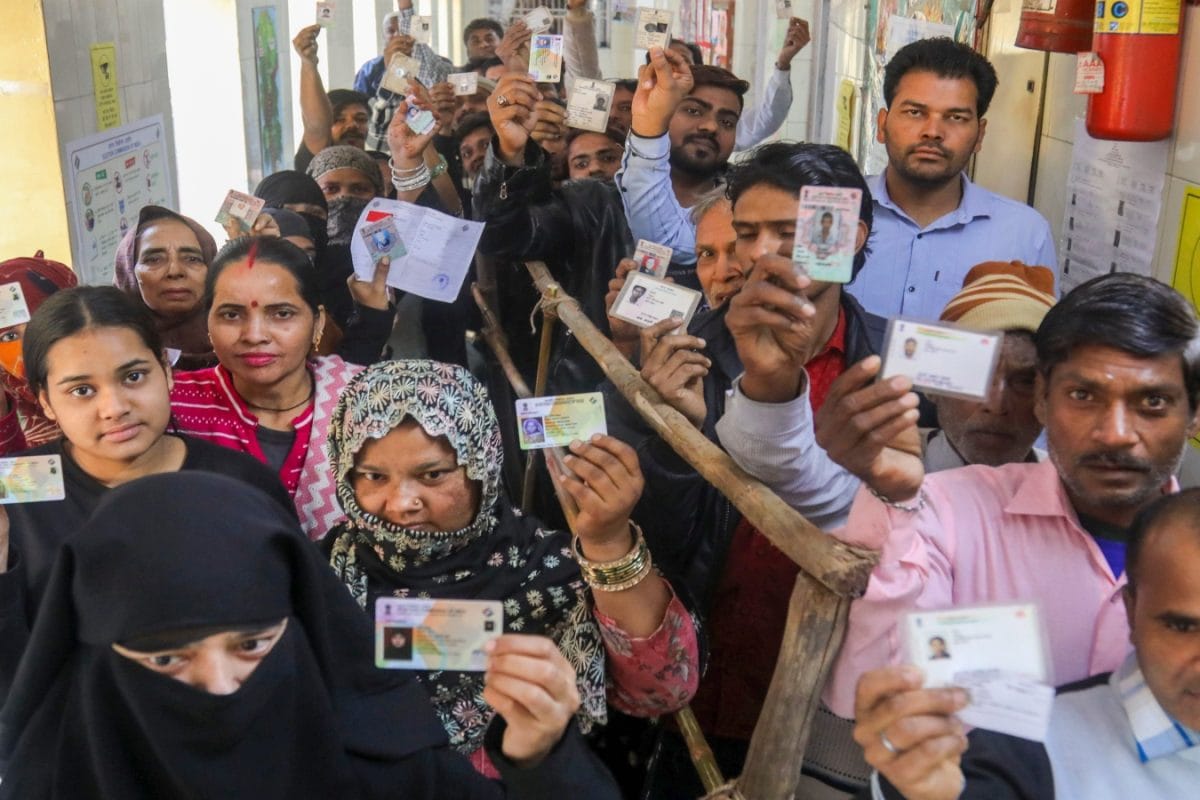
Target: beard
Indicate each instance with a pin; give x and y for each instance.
(1155, 476)
(704, 166)
(929, 177)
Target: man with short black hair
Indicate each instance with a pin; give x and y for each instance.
(481, 37)
(594, 155)
(1131, 734)
(397, 39)
(339, 117)
(933, 223)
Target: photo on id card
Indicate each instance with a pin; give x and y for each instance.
(589, 104)
(653, 28)
(545, 58)
(13, 308)
(382, 238)
(558, 420)
(645, 300)
(426, 634)
(827, 233)
(941, 358)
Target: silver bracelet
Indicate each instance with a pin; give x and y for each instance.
(398, 171)
(920, 504)
(419, 180)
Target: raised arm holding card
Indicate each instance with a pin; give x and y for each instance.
(513, 49)
(675, 365)
(316, 112)
(412, 153)
(549, 127)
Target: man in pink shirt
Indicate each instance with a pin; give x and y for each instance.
(1117, 389)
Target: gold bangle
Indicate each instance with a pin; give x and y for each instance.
(623, 573)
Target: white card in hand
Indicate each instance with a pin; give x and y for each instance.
(645, 300)
(941, 358)
(653, 28)
(539, 20)
(464, 83)
(997, 653)
(421, 30)
(13, 309)
(325, 12)
(783, 9)
(589, 105)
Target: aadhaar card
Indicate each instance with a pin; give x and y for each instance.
(941, 359)
(13, 308)
(558, 420)
(546, 58)
(826, 233)
(652, 258)
(243, 207)
(464, 83)
(589, 104)
(653, 27)
(997, 653)
(645, 300)
(434, 635)
(31, 479)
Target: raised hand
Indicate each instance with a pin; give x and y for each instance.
(511, 107)
(605, 482)
(373, 293)
(305, 43)
(550, 126)
(926, 740)
(532, 685)
(794, 41)
(673, 364)
(513, 49)
(870, 428)
(662, 84)
(625, 335)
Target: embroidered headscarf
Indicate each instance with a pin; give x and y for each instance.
(500, 555)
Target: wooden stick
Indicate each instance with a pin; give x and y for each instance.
(498, 342)
(839, 567)
(702, 755)
(816, 624)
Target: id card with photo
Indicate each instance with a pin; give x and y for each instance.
(589, 104)
(464, 83)
(242, 207)
(325, 12)
(653, 28)
(997, 653)
(558, 420)
(13, 309)
(546, 58)
(783, 9)
(940, 358)
(645, 300)
(539, 20)
(826, 233)
(31, 479)
(652, 259)
(399, 69)
(421, 30)
(383, 239)
(419, 120)
(425, 634)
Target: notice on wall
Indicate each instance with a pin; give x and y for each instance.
(1186, 278)
(847, 102)
(104, 84)
(1114, 196)
(112, 175)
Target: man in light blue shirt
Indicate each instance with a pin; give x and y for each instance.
(932, 224)
(685, 123)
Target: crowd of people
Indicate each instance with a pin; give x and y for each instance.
(248, 469)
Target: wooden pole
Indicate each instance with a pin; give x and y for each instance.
(839, 567)
(539, 390)
(498, 343)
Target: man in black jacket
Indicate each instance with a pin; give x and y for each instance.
(740, 581)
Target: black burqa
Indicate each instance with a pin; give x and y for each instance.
(164, 554)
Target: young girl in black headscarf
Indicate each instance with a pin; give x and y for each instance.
(192, 644)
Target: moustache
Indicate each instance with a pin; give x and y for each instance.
(929, 146)
(1112, 460)
(705, 137)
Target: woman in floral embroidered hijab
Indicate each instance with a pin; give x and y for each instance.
(416, 453)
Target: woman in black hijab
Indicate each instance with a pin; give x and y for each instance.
(110, 701)
(298, 192)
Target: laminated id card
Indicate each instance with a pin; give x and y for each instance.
(425, 634)
(558, 420)
(31, 479)
(941, 358)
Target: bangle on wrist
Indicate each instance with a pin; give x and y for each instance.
(911, 508)
(438, 168)
(616, 576)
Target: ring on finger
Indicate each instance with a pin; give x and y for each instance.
(501, 100)
(887, 744)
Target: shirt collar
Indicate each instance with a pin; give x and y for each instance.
(1154, 732)
(975, 202)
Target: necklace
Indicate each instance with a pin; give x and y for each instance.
(312, 388)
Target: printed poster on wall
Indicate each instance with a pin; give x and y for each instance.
(104, 85)
(1114, 195)
(270, 96)
(112, 175)
(1187, 257)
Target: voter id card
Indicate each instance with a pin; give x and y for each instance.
(399, 70)
(243, 207)
(325, 13)
(652, 258)
(13, 308)
(589, 104)
(31, 479)
(652, 28)
(998, 653)
(827, 232)
(421, 30)
(426, 634)
(645, 300)
(464, 83)
(558, 420)
(546, 58)
(940, 358)
(539, 20)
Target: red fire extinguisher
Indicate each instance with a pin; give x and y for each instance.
(1059, 26)
(1139, 42)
